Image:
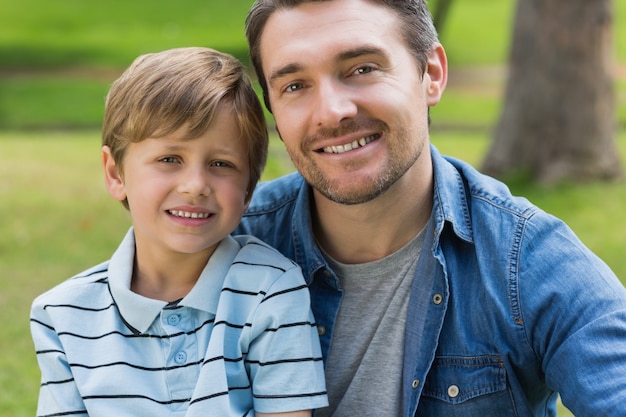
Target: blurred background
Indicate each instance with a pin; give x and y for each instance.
(57, 60)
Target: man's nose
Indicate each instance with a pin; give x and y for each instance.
(333, 103)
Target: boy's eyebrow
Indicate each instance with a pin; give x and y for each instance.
(342, 56)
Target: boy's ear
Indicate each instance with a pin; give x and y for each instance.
(112, 175)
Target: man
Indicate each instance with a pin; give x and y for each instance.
(436, 292)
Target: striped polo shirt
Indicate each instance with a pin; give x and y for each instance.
(243, 339)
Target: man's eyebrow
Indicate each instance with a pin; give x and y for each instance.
(360, 51)
(283, 71)
(342, 56)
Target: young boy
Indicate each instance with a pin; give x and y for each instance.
(183, 320)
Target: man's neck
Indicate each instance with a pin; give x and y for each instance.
(367, 232)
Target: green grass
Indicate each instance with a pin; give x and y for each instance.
(57, 59)
(53, 102)
(44, 34)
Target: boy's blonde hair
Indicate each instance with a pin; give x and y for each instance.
(161, 92)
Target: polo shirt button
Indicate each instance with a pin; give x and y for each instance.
(321, 330)
(173, 320)
(437, 298)
(180, 357)
(453, 391)
(416, 383)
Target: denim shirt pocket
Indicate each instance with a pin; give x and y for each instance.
(468, 387)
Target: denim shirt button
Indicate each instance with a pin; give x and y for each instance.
(416, 383)
(437, 298)
(321, 330)
(453, 391)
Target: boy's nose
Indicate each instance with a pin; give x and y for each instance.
(195, 182)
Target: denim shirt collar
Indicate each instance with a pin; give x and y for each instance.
(307, 252)
(450, 205)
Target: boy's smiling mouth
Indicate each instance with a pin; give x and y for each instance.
(189, 214)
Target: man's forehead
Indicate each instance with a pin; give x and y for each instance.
(296, 32)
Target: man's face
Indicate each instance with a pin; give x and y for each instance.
(348, 96)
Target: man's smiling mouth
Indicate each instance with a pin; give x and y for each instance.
(189, 215)
(350, 146)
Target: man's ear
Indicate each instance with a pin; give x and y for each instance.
(436, 75)
(279, 136)
(112, 175)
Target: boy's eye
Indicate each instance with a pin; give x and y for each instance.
(169, 159)
(220, 164)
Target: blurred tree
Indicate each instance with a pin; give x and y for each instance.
(558, 119)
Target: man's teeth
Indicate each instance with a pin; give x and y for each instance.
(349, 146)
(189, 215)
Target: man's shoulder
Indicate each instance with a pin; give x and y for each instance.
(461, 182)
(275, 194)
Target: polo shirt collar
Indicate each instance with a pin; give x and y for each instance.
(139, 312)
(206, 292)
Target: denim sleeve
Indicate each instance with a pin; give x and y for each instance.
(573, 309)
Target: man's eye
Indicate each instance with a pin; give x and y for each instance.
(363, 70)
(293, 87)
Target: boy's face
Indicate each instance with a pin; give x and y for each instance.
(184, 195)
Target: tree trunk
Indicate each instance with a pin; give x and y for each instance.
(558, 120)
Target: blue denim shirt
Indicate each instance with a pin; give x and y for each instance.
(507, 306)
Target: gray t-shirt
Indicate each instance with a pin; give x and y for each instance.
(364, 368)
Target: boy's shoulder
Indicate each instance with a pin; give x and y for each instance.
(80, 285)
(256, 252)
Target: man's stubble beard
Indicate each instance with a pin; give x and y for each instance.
(399, 162)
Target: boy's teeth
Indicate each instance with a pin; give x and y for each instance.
(189, 215)
(349, 146)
